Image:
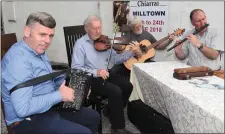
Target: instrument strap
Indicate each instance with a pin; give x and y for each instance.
(40, 79)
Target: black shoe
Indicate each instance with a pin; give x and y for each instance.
(120, 131)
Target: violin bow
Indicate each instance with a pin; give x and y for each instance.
(110, 54)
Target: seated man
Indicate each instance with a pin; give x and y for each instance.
(29, 109)
(137, 33)
(105, 83)
(202, 49)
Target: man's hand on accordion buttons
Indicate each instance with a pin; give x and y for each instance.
(67, 93)
(103, 73)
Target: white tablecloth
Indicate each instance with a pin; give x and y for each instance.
(193, 106)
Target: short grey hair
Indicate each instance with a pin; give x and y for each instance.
(43, 18)
(91, 18)
(134, 20)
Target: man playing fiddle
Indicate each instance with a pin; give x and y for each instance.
(105, 83)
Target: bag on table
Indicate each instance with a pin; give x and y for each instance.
(190, 72)
(219, 73)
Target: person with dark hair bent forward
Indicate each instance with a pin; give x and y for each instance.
(113, 86)
(29, 110)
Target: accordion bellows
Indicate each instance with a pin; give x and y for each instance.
(80, 81)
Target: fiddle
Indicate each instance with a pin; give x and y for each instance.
(103, 43)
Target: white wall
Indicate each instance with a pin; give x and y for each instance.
(106, 14)
(179, 12)
(66, 13)
(74, 12)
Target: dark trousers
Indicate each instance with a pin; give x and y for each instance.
(122, 70)
(118, 91)
(84, 121)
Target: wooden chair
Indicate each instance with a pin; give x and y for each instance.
(72, 33)
(124, 29)
(7, 40)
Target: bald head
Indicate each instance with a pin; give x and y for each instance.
(194, 12)
(198, 19)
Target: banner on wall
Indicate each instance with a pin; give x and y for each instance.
(154, 16)
(121, 11)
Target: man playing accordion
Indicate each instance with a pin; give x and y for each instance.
(29, 109)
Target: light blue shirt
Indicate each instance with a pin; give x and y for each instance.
(20, 64)
(87, 58)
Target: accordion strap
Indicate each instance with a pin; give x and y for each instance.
(40, 79)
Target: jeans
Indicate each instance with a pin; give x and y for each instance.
(84, 121)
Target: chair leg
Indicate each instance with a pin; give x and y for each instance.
(10, 131)
(98, 109)
(93, 106)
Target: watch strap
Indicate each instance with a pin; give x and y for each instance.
(200, 47)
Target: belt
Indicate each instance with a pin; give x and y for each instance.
(14, 124)
(18, 122)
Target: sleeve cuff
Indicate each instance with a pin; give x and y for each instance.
(130, 54)
(56, 97)
(94, 72)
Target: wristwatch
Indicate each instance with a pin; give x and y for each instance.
(200, 47)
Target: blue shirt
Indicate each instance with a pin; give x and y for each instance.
(20, 64)
(85, 56)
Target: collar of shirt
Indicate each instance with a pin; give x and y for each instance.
(87, 38)
(30, 50)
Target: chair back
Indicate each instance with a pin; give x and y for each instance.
(7, 40)
(124, 29)
(72, 33)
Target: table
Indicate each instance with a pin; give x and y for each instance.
(190, 108)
